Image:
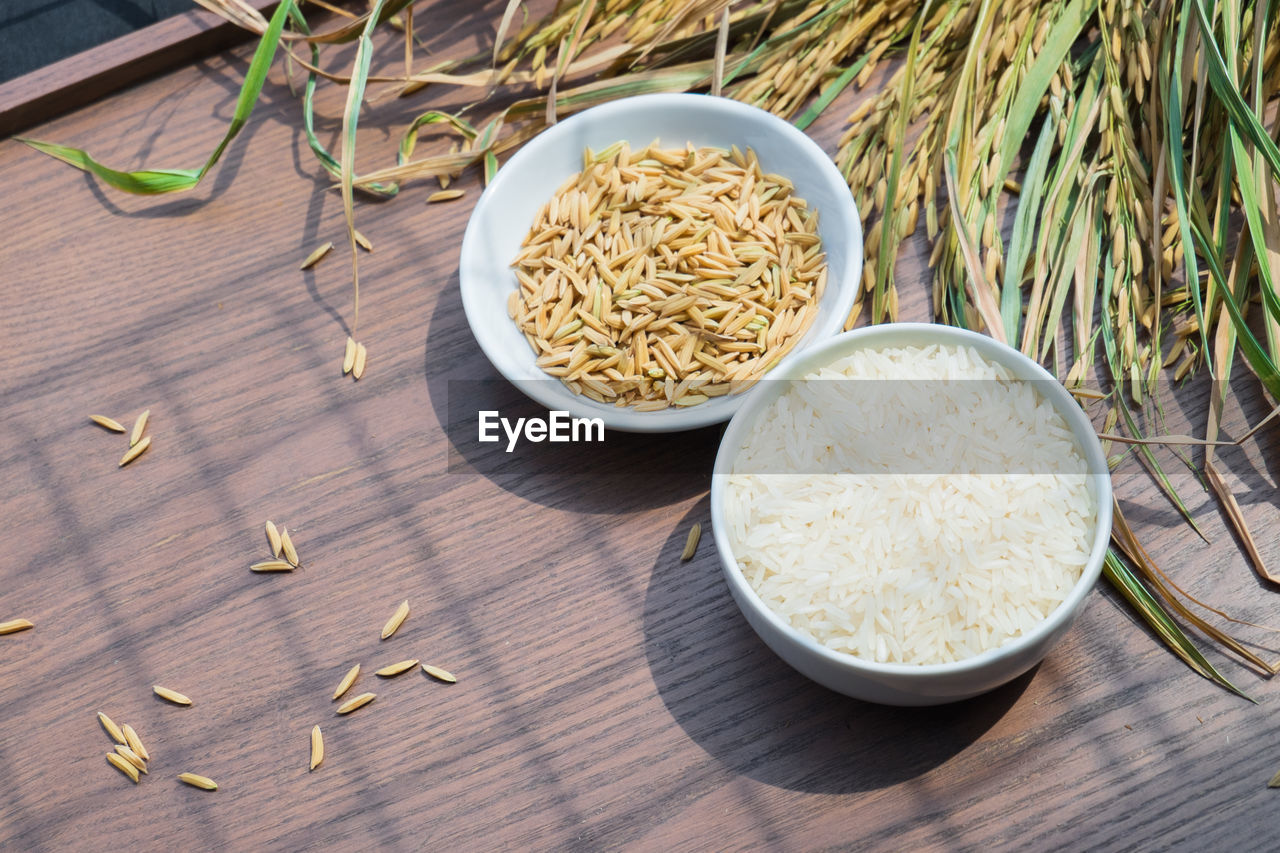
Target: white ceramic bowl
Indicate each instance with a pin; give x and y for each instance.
(907, 684)
(505, 212)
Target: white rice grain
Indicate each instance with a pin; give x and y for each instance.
(915, 520)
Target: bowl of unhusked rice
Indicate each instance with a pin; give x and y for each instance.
(911, 514)
(649, 260)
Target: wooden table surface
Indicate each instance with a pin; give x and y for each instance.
(608, 695)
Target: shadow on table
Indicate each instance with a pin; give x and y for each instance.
(623, 473)
(759, 717)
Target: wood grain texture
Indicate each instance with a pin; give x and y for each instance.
(77, 80)
(608, 695)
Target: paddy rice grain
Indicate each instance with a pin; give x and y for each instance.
(691, 542)
(134, 742)
(357, 366)
(394, 669)
(107, 423)
(347, 680)
(439, 674)
(139, 427)
(358, 702)
(135, 451)
(111, 728)
(273, 538)
(317, 747)
(171, 695)
(349, 356)
(286, 545)
(132, 757)
(123, 766)
(314, 258)
(662, 278)
(272, 566)
(198, 781)
(396, 620)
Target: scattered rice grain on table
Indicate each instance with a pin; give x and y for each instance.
(347, 680)
(394, 669)
(691, 542)
(314, 258)
(134, 742)
(286, 546)
(357, 365)
(272, 566)
(317, 747)
(439, 674)
(107, 423)
(273, 538)
(349, 356)
(900, 559)
(198, 781)
(356, 702)
(132, 757)
(396, 620)
(139, 427)
(123, 766)
(135, 451)
(111, 728)
(171, 695)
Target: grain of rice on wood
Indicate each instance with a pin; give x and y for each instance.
(667, 277)
(977, 543)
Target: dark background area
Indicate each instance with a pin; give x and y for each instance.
(34, 33)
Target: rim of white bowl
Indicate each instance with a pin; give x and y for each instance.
(825, 351)
(547, 392)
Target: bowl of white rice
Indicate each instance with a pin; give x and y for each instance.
(911, 514)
